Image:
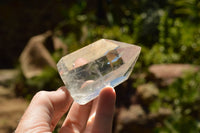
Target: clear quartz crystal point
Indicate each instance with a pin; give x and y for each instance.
(103, 63)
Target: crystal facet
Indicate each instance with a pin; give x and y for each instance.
(103, 63)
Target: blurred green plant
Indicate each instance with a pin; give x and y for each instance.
(189, 9)
(183, 98)
(179, 39)
(47, 80)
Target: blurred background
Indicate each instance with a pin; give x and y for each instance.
(163, 93)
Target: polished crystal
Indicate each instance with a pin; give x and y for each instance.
(103, 63)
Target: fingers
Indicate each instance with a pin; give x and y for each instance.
(47, 108)
(101, 120)
(96, 116)
(105, 111)
(44, 111)
(92, 113)
(77, 118)
(61, 101)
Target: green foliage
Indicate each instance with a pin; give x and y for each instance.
(183, 98)
(42, 82)
(178, 43)
(47, 80)
(180, 38)
(189, 9)
(185, 90)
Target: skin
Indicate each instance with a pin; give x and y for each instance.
(47, 108)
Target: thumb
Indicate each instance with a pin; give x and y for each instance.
(45, 110)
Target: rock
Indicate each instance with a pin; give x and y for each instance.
(167, 73)
(132, 120)
(36, 57)
(147, 92)
(58, 44)
(134, 113)
(11, 112)
(6, 92)
(135, 119)
(7, 76)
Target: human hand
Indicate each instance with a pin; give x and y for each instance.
(47, 108)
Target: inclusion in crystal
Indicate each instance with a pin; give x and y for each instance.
(103, 63)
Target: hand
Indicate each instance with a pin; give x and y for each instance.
(47, 108)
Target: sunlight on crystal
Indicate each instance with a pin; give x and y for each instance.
(103, 63)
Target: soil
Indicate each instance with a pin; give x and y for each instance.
(11, 110)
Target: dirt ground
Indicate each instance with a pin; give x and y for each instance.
(11, 110)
